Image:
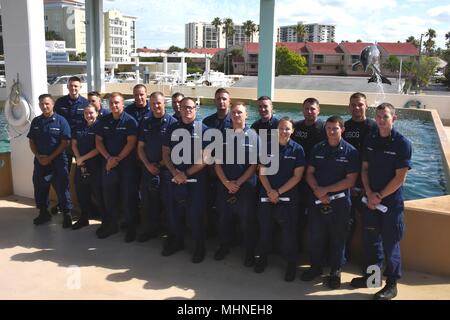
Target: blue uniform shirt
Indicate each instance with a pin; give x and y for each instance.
(152, 131)
(385, 155)
(85, 137)
(194, 128)
(213, 121)
(71, 110)
(356, 132)
(138, 113)
(332, 164)
(268, 125)
(47, 133)
(291, 156)
(249, 144)
(115, 132)
(103, 112)
(308, 136)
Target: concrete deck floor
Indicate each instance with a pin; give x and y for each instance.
(37, 263)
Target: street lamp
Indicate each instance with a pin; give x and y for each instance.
(418, 64)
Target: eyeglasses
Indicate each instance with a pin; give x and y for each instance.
(188, 108)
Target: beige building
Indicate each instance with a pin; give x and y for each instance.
(66, 18)
(120, 36)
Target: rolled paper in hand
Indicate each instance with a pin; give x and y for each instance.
(283, 199)
(187, 180)
(333, 197)
(379, 207)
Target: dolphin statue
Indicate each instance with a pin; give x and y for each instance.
(370, 58)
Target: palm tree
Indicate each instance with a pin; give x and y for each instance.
(217, 22)
(447, 37)
(413, 41)
(249, 29)
(301, 32)
(429, 44)
(228, 29)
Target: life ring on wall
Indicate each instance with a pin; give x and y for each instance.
(413, 104)
(17, 112)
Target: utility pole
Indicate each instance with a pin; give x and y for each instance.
(418, 64)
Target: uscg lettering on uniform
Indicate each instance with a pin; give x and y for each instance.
(352, 134)
(302, 134)
(188, 310)
(246, 309)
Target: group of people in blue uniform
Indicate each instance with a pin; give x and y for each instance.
(130, 166)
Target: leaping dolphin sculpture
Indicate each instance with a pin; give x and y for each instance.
(370, 58)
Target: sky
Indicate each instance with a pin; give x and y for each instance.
(161, 24)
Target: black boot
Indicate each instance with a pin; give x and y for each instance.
(291, 271)
(260, 264)
(311, 273)
(171, 246)
(67, 219)
(388, 292)
(199, 252)
(82, 222)
(130, 236)
(334, 279)
(43, 217)
(221, 253)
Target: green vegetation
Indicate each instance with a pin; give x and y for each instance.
(289, 63)
(77, 57)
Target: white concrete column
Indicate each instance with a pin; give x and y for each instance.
(24, 43)
(136, 60)
(165, 66)
(207, 65)
(183, 70)
(95, 47)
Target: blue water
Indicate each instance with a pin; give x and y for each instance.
(425, 179)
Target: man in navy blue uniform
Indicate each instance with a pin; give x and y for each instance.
(49, 136)
(267, 120)
(139, 109)
(88, 174)
(96, 100)
(187, 196)
(116, 137)
(386, 161)
(332, 170)
(71, 106)
(176, 104)
(236, 190)
(307, 133)
(155, 176)
(283, 184)
(357, 128)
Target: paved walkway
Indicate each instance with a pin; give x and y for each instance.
(38, 263)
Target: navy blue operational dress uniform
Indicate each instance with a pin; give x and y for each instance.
(119, 183)
(328, 224)
(240, 205)
(213, 121)
(188, 199)
(272, 124)
(47, 134)
(88, 178)
(382, 232)
(154, 188)
(291, 156)
(138, 113)
(72, 110)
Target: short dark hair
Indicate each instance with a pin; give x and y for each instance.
(140, 85)
(334, 119)
(94, 94)
(311, 101)
(387, 105)
(156, 93)
(221, 90)
(74, 78)
(357, 95)
(115, 94)
(188, 98)
(46, 95)
(177, 94)
(264, 98)
(287, 119)
(238, 103)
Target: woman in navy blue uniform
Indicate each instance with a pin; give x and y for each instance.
(236, 189)
(155, 176)
(333, 167)
(188, 198)
(386, 161)
(275, 188)
(116, 139)
(88, 177)
(49, 136)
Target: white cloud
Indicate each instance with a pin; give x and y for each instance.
(442, 13)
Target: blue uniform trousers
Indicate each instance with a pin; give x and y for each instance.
(285, 215)
(329, 232)
(242, 206)
(382, 233)
(188, 200)
(56, 174)
(89, 193)
(119, 187)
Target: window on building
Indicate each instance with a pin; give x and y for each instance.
(253, 66)
(319, 58)
(355, 58)
(318, 67)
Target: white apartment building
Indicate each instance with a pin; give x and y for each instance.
(66, 18)
(315, 33)
(205, 35)
(120, 36)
